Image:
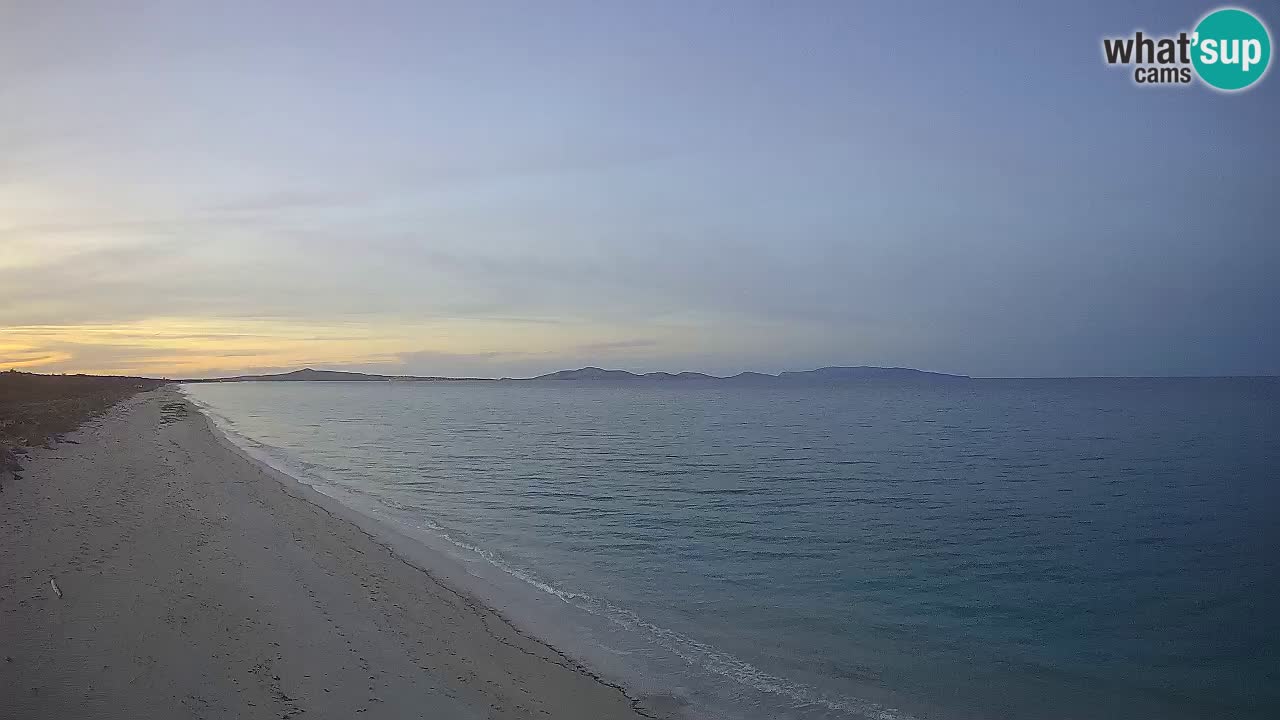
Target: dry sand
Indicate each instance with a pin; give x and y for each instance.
(195, 583)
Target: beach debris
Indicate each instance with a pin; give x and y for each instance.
(55, 587)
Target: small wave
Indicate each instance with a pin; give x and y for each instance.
(277, 459)
(688, 649)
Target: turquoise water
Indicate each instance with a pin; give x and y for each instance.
(989, 549)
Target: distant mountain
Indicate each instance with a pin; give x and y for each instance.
(821, 376)
(589, 373)
(303, 375)
(595, 374)
(865, 372)
(310, 375)
(749, 376)
(826, 375)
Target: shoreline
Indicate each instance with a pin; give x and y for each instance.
(448, 571)
(327, 612)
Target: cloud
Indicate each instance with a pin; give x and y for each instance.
(221, 210)
(608, 346)
(32, 358)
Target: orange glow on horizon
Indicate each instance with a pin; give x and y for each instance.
(200, 347)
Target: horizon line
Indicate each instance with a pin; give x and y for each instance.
(779, 374)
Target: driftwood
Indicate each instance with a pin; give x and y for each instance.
(55, 587)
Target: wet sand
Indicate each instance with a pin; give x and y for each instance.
(192, 582)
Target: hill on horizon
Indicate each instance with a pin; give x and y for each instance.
(592, 374)
(821, 375)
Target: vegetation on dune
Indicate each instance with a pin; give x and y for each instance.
(35, 408)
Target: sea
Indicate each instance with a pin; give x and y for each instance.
(1076, 548)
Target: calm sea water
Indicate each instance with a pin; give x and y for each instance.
(990, 549)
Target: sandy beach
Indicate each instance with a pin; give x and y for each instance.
(151, 571)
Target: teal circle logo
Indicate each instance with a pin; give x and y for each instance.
(1232, 49)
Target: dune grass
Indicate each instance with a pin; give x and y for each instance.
(37, 408)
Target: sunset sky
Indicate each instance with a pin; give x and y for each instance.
(194, 189)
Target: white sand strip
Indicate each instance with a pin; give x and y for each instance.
(196, 584)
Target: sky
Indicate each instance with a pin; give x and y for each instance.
(504, 189)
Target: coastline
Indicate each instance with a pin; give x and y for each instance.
(192, 578)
